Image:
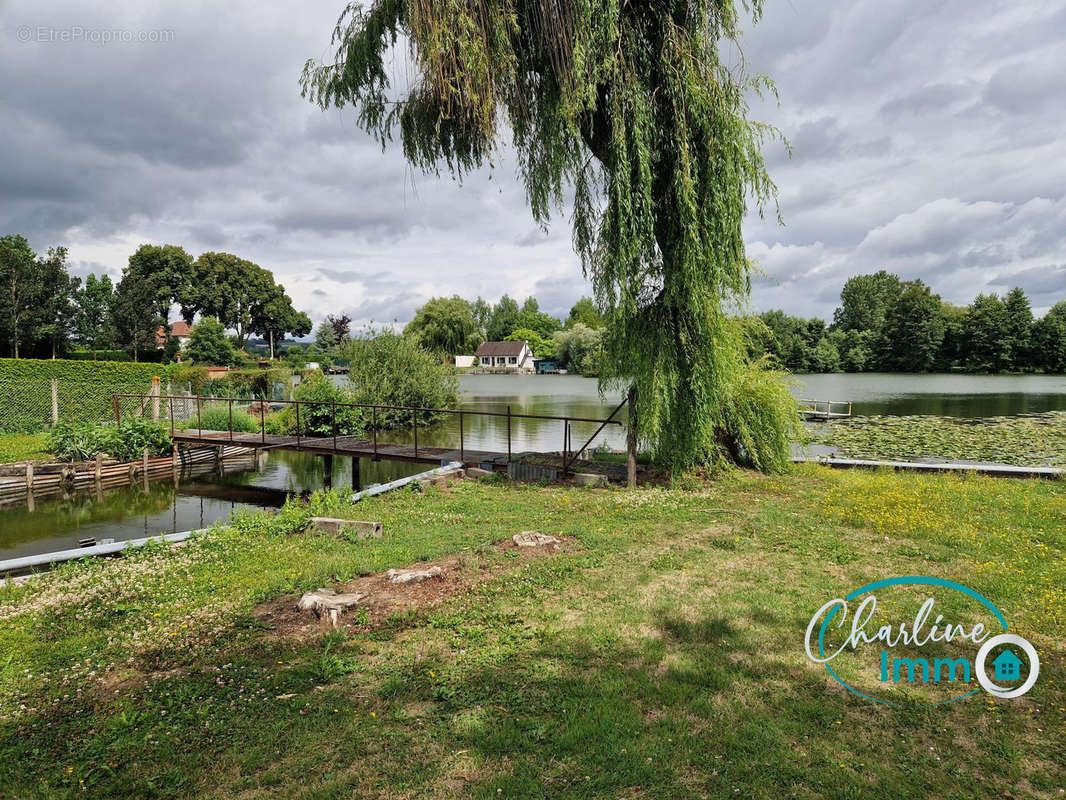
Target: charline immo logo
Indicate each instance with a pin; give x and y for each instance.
(925, 634)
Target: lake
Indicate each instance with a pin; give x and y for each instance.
(131, 512)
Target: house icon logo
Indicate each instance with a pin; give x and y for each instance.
(1007, 666)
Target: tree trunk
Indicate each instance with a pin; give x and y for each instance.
(631, 438)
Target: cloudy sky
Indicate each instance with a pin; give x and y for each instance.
(927, 140)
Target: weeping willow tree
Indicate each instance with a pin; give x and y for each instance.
(628, 107)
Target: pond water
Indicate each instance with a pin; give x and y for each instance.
(207, 496)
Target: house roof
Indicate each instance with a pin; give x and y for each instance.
(179, 330)
(500, 349)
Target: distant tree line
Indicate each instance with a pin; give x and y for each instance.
(886, 324)
(453, 325)
(44, 311)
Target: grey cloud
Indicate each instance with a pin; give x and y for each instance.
(1036, 281)
(935, 160)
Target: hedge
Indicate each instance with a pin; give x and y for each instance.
(85, 390)
(34, 369)
(98, 355)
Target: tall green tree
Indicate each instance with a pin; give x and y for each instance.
(208, 344)
(864, 301)
(953, 346)
(913, 329)
(279, 318)
(585, 312)
(134, 318)
(482, 312)
(1049, 340)
(985, 332)
(541, 346)
(503, 320)
(532, 318)
(54, 313)
(632, 105)
(19, 290)
(167, 269)
(445, 326)
(325, 338)
(1019, 328)
(233, 290)
(92, 314)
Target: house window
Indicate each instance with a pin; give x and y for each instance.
(513, 360)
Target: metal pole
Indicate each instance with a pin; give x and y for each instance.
(462, 452)
(508, 434)
(199, 425)
(297, 424)
(262, 422)
(118, 413)
(231, 419)
(333, 404)
(414, 425)
(170, 402)
(374, 425)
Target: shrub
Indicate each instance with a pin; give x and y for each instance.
(317, 420)
(216, 417)
(133, 435)
(79, 441)
(393, 370)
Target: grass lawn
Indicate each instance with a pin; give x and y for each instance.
(24, 447)
(659, 655)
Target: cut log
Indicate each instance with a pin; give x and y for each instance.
(327, 603)
(413, 575)
(534, 539)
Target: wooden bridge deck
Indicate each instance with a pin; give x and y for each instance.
(352, 446)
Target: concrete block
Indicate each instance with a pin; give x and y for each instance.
(590, 479)
(340, 527)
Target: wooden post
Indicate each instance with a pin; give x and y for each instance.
(98, 473)
(55, 401)
(631, 439)
(155, 392)
(144, 468)
(357, 481)
(29, 486)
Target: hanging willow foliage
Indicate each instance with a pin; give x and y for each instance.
(628, 104)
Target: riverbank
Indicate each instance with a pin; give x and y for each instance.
(661, 648)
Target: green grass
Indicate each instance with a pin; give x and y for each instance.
(663, 659)
(24, 447)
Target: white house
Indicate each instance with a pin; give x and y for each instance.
(513, 356)
(464, 361)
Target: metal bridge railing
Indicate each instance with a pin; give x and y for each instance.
(162, 407)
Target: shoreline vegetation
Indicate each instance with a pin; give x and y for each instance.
(659, 647)
(1025, 440)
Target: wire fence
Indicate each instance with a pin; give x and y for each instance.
(34, 406)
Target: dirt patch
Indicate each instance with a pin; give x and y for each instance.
(459, 573)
